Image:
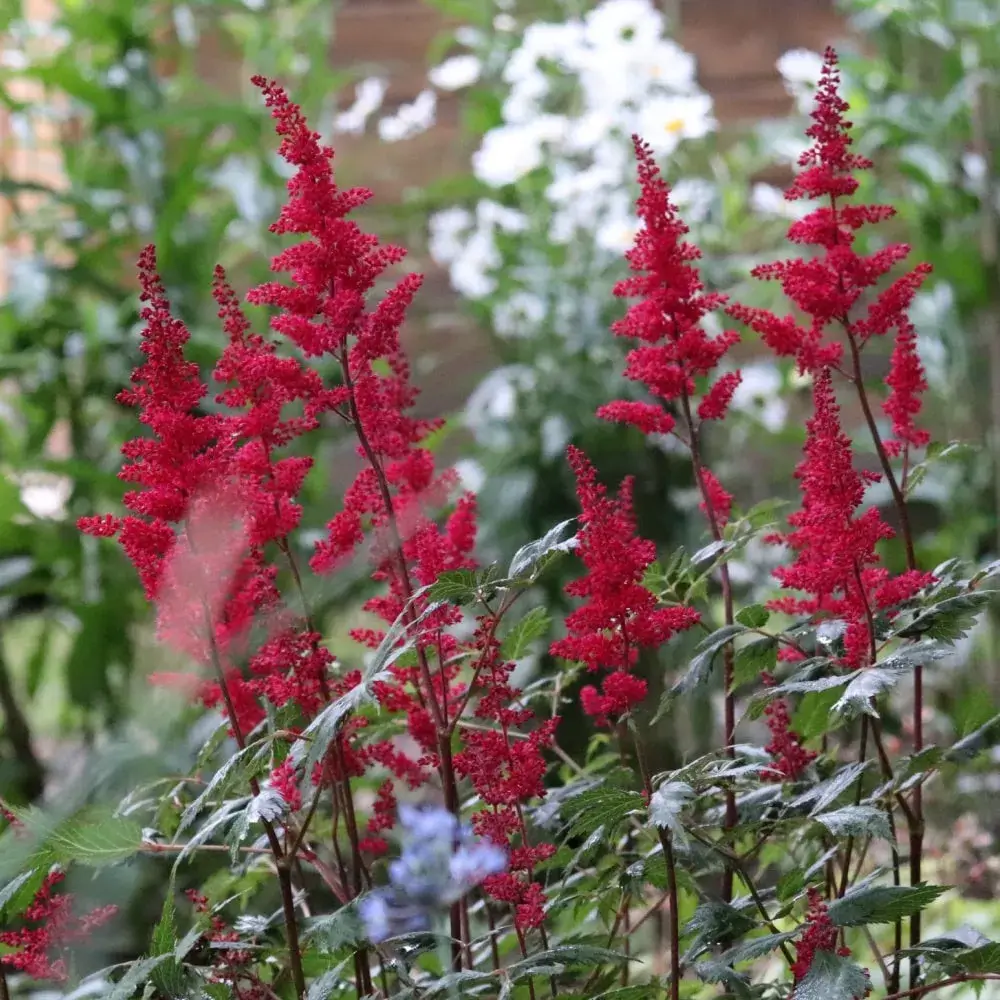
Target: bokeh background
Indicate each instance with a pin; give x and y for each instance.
(494, 134)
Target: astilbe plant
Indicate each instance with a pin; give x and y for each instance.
(758, 870)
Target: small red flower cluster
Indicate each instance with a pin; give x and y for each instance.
(791, 758)
(51, 925)
(820, 934)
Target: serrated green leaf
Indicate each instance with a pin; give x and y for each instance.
(332, 931)
(882, 904)
(532, 626)
(96, 837)
(667, 804)
(827, 792)
(969, 746)
(700, 667)
(169, 977)
(753, 616)
(856, 821)
(755, 948)
(605, 807)
(814, 715)
(831, 977)
(753, 659)
(531, 559)
(456, 586)
(949, 620)
(564, 956)
(138, 974)
(984, 958)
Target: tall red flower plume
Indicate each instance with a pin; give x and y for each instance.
(829, 286)
(619, 616)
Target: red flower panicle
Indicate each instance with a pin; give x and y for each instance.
(676, 350)
(620, 616)
(820, 934)
(790, 757)
(830, 286)
(49, 926)
(836, 563)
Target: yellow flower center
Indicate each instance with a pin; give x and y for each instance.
(674, 126)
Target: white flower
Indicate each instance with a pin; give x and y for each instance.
(694, 197)
(510, 152)
(800, 70)
(410, 119)
(800, 66)
(669, 66)
(471, 273)
(666, 121)
(456, 73)
(519, 315)
(766, 199)
(446, 231)
(759, 393)
(635, 22)
(368, 97)
(494, 215)
(471, 474)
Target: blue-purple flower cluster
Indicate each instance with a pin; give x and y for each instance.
(440, 861)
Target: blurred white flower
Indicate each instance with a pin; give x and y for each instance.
(519, 315)
(45, 494)
(800, 71)
(636, 22)
(693, 198)
(471, 474)
(456, 72)
(368, 97)
(666, 121)
(447, 229)
(555, 435)
(617, 234)
(510, 152)
(759, 393)
(409, 119)
(493, 214)
(471, 273)
(766, 199)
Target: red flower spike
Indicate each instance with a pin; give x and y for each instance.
(820, 934)
(619, 615)
(827, 287)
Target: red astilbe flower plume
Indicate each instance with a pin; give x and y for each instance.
(668, 319)
(49, 926)
(828, 286)
(184, 454)
(620, 615)
(324, 311)
(836, 563)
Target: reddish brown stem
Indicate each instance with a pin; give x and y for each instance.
(729, 700)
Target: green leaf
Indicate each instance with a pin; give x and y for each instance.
(753, 658)
(169, 977)
(530, 560)
(984, 958)
(856, 821)
(532, 626)
(700, 667)
(756, 948)
(139, 973)
(605, 806)
(882, 904)
(456, 586)
(96, 837)
(332, 931)
(968, 747)
(16, 895)
(949, 620)
(826, 793)
(814, 715)
(831, 977)
(753, 616)
(326, 984)
(563, 957)
(713, 923)
(667, 803)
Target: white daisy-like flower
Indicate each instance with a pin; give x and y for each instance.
(665, 122)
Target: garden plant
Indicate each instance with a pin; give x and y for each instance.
(406, 822)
